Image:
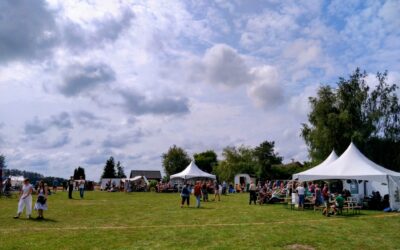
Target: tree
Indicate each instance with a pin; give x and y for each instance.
(175, 160)
(352, 112)
(109, 169)
(78, 172)
(206, 161)
(236, 160)
(266, 157)
(120, 170)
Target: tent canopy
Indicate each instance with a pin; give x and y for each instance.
(352, 164)
(318, 170)
(192, 171)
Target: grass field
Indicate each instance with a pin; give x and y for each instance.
(150, 220)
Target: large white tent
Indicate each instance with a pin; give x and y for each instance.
(321, 169)
(192, 171)
(352, 164)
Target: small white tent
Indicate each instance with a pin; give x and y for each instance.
(192, 171)
(352, 164)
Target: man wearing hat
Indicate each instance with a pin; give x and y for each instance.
(25, 200)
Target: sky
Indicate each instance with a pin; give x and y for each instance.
(81, 81)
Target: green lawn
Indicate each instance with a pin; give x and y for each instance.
(150, 220)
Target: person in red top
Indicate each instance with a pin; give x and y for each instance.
(197, 193)
(325, 194)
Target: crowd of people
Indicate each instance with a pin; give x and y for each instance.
(201, 191)
(315, 193)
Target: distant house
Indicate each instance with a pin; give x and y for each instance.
(150, 174)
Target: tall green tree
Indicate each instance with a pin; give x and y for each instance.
(109, 169)
(175, 160)
(236, 160)
(120, 170)
(353, 112)
(266, 157)
(206, 161)
(78, 172)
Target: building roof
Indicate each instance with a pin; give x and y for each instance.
(150, 174)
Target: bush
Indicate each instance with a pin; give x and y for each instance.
(152, 185)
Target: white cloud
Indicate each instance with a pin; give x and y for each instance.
(224, 66)
(266, 90)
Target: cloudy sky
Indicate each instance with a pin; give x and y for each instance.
(83, 80)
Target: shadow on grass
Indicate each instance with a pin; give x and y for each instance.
(200, 208)
(45, 220)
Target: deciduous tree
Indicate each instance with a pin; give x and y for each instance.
(175, 160)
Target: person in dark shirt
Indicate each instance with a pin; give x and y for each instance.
(70, 187)
(185, 194)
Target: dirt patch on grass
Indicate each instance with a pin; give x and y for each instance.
(299, 247)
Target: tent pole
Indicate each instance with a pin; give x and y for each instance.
(389, 193)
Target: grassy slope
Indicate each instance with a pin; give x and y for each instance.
(149, 220)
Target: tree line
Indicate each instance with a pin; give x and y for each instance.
(112, 170)
(256, 161)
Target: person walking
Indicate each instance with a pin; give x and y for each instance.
(185, 194)
(25, 200)
(197, 193)
(70, 187)
(81, 186)
(41, 203)
(253, 194)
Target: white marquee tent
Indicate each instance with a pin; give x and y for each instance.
(192, 171)
(317, 171)
(352, 164)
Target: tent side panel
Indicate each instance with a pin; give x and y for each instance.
(394, 192)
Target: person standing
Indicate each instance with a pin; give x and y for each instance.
(41, 203)
(325, 195)
(55, 185)
(70, 187)
(185, 194)
(301, 191)
(25, 200)
(318, 195)
(197, 193)
(253, 194)
(82, 186)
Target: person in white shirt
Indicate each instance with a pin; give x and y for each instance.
(25, 200)
(81, 183)
(300, 191)
(253, 193)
